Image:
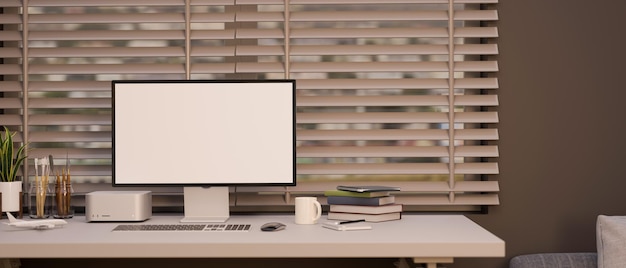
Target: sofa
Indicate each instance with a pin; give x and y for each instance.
(610, 246)
(555, 260)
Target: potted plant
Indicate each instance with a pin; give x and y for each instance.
(10, 162)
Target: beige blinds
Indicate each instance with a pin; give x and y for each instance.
(380, 83)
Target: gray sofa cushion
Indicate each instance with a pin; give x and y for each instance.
(611, 238)
(555, 260)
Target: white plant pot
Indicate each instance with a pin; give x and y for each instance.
(11, 195)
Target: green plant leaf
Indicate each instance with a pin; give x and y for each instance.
(10, 162)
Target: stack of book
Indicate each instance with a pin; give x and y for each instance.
(369, 203)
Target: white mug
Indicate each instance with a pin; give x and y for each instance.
(308, 210)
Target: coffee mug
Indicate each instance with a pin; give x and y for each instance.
(308, 210)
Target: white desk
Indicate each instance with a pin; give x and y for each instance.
(425, 238)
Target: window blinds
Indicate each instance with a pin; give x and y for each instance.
(399, 92)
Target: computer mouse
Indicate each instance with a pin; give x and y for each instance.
(272, 226)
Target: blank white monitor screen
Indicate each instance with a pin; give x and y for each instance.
(203, 133)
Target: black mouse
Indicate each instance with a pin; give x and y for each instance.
(272, 226)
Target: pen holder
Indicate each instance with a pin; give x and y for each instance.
(63, 208)
(39, 200)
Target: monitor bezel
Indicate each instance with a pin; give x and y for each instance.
(116, 183)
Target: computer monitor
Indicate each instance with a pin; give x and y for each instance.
(204, 135)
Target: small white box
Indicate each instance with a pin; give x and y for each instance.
(118, 206)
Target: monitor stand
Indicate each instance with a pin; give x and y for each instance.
(206, 204)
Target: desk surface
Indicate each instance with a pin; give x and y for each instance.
(416, 236)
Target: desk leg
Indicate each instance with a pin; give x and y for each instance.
(432, 262)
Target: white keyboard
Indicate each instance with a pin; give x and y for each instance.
(217, 227)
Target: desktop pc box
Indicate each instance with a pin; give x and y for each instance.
(118, 206)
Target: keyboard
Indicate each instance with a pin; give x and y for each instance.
(218, 227)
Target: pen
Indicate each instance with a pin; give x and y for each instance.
(346, 222)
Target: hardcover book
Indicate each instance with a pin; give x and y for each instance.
(370, 201)
(355, 194)
(367, 217)
(366, 209)
(368, 188)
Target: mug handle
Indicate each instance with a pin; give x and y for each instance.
(318, 207)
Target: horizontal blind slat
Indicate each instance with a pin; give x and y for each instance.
(69, 119)
(364, 15)
(369, 67)
(72, 136)
(476, 32)
(409, 83)
(10, 19)
(476, 134)
(243, 16)
(11, 120)
(397, 151)
(10, 86)
(476, 15)
(70, 103)
(71, 153)
(376, 117)
(87, 52)
(396, 117)
(212, 17)
(477, 83)
(440, 200)
(54, 86)
(406, 187)
(476, 168)
(11, 3)
(314, 50)
(304, 50)
(419, 83)
(386, 169)
(224, 51)
(10, 69)
(213, 34)
(341, 2)
(95, 35)
(214, 2)
(109, 3)
(10, 52)
(213, 68)
(107, 18)
(476, 66)
(10, 36)
(374, 33)
(476, 151)
(444, 200)
(266, 50)
(398, 100)
(476, 49)
(397, 134)
(10, 103)
(380, 134)
(373, 151)
(260, 67)
(106, 68)
(476, 117)
(259, 33)
(88, 170)
(476, 100)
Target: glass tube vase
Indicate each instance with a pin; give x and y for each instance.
(39, 200)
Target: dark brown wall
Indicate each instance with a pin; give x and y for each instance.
(562, 133)
(562, 125)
